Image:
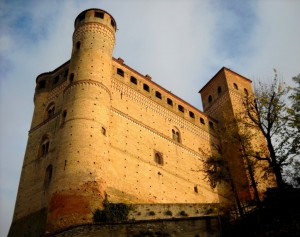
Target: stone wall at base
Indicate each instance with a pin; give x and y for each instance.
(204, 227)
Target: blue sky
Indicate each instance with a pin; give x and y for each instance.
(180, 43)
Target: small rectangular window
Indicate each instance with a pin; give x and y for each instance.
(211, 125)
(158, 94)
(66, 73)
(192, 115)
(146, 87)
(202, 121)
(181, 108)
(120, 72)
(133, 80)
(99, 15)
(169, 101)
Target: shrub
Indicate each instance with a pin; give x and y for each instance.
(183, 213)
(151, 213)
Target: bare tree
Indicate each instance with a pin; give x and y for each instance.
(268, 112)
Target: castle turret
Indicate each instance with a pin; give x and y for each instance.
(76, 187)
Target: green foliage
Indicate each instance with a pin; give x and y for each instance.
(112, 212)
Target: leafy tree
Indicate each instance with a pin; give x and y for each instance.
(269, 113)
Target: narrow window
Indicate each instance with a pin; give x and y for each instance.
(103, 131)
(120, 72)
(196, 189)
(209, 99)
(202, 121)
(235, 86)
(176, 135)
(133, 80)
(48, 176)
(78, 45)
(169, 101)
(42, 84)
(180, 108)
(146, 87)
(219, 90)
(211, 125)
(158, 158)
(192, 115)
(158, 94)
(112, 23)
(246, 91)
(50, 111)
(72, 77)
(99, 15)
(64, 117)
(44, 149)
(56, 79)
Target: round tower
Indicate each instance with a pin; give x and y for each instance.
(76, 187)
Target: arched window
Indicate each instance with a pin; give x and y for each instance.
(44, 147)
(48, 176)
(51, 110)
(176, 135)
(235, 86)
(158, 157)
(246, 91)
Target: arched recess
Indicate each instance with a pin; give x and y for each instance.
(176, 136)
(50, 111)
(44, 146)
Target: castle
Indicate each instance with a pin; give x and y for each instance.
(100, 128)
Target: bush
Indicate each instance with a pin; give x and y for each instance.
(151, 213)
(183, 213)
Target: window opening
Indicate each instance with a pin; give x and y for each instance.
(211, 125)
(42, 84)
(64, 116)
(44, 147)
(175, 135)
(120, 72)
(72, 77)
(158, 158)
(78, 45)
(133, 80)
(202, 121)
(103, 130)
(246, 91)
(210, 99)
(158, 94)
(196, 189)
(112, 23)
(219, 90)
(51, 110)
(235, 86)
(99, 15)
(192, 115)
(146, 87)
(180, 108)
(48, 176)
(169, 101)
